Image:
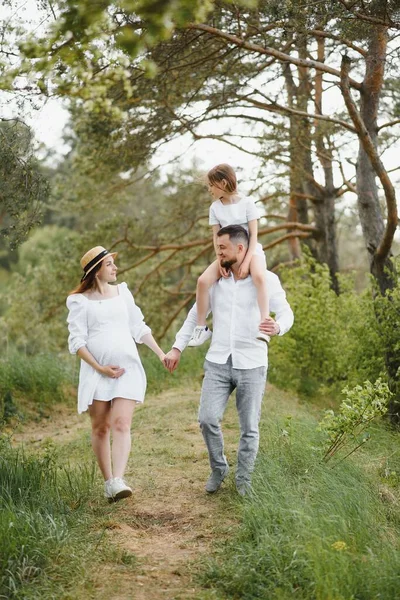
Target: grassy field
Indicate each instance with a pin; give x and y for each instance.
(308, 531)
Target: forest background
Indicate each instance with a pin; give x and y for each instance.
(309, 91)
(312, 98)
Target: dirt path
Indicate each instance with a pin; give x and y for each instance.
(170, 522)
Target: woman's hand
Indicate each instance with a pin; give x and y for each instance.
(224, 272)
(243, 271)
(111, 371)
(172, 359)
(162, 357)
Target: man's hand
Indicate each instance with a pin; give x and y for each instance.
(269, 326)
(172, 358)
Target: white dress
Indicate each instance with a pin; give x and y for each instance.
(109, 329)
(239, 213)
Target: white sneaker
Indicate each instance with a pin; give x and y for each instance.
(263, 337)
(107, 489)
(117, 489)
(200, 335)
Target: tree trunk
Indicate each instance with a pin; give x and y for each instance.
(371, 217)
(298, 209)
(324, 245)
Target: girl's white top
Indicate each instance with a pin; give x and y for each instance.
(109, 329)
(239, 213)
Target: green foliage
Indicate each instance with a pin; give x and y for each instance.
(44, 513)
(42, 378)
(362, 404)
(148, 213)
(335, 339)
(23, 188)
(90, 45)
(307, 531)
(387, 312)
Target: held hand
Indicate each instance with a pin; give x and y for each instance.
(225, 273)
(243, 271)
(111, 371)
(162, 358)
(172, 358)
(269, 326)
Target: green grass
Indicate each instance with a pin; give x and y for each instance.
(29, 385)
(310, 531)
(39, 379)
(159, 379)
(45, 523)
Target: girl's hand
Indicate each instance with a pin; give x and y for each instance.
(224, 272)
(162, 358)
(243, 271)
(111, 371)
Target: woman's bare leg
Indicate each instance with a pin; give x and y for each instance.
(121, 419)
(258, 274)
(100, 417)
(204, 282)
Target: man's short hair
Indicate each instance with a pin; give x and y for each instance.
(237, 234)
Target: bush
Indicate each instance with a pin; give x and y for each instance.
(335, 340)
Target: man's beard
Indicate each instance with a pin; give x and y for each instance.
(227, 264)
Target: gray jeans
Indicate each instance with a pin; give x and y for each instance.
(218, 384)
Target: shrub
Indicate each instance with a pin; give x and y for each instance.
(334, 339)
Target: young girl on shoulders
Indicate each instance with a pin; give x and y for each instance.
(230, 208)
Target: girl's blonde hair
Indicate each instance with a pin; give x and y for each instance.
(217, 174)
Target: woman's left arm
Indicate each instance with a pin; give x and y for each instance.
(140, 332)
(151, 343)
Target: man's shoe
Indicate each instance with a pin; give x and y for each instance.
(263, 337)
(118, 489)
(216, 478)
(243, 488)
(200, 335)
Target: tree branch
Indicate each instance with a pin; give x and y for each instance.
(176, 313)
(363, 17)
(287, 236)
(389, 124)
(392, 216)
(274, 107)
(282, 56)
(337, 38)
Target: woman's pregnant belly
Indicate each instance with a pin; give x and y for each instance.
(113, 347)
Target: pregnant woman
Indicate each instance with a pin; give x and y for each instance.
(104, 326)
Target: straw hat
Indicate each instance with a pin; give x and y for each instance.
(93, 257)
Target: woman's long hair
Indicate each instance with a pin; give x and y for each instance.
(89, 282)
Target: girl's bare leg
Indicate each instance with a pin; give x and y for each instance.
(100, 416)
(121, 419)
(204, 282)
(258, 274)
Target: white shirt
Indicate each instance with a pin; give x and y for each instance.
(236, 318)
(238, 213)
